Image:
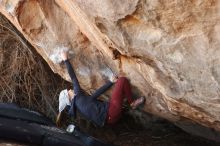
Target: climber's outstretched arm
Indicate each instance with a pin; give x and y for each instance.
(76, 85)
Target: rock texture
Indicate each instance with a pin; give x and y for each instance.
(168, 49)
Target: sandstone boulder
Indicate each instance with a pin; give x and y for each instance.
(168, 49)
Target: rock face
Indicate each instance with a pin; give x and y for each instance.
(168, 49)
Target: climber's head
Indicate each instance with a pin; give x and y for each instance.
(65, 98)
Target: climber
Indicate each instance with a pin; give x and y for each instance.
(99, 112)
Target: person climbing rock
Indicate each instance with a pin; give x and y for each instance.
(99, 112)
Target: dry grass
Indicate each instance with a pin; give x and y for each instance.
(25, 78)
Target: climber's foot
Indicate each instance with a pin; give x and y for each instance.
(137, 102)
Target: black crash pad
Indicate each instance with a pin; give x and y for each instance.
(31, 127)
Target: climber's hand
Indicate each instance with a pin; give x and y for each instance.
(64, 55)
(114, 78)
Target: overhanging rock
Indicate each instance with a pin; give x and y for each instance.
(168, 49)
